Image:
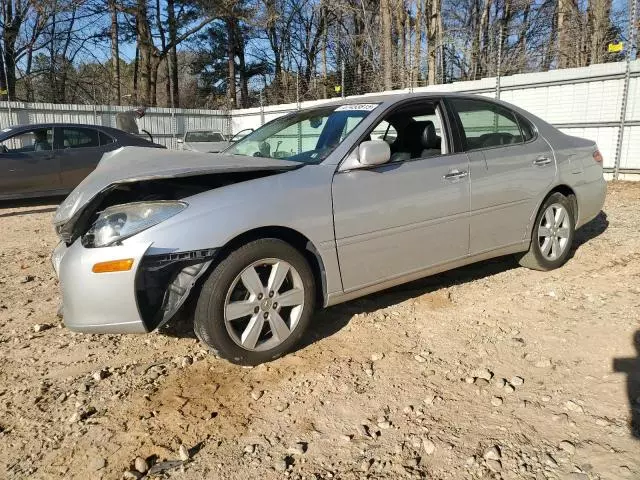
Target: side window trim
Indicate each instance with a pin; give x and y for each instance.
(104, 135)
(534, 130)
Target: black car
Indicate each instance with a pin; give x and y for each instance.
(53, 158)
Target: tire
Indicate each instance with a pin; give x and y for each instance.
(540, 255)
(230, 315)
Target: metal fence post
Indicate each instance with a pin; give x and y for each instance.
(499, 65)
(625, 88)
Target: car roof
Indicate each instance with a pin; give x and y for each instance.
(62, 124)
(119, 135)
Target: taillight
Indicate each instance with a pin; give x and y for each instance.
(597, 157)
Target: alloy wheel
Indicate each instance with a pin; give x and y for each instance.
(554, 231)
(264, 304)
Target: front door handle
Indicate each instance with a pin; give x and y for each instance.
(455, 174)
(542, 161)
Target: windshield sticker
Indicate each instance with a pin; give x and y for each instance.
(5, 130)
(357, 107)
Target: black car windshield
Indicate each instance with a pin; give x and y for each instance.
(196, 137)
(307, 136)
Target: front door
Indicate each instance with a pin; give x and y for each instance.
(409, 214)
(28, 164)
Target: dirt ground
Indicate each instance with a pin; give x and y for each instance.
(489, 371)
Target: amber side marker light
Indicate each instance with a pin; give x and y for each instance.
(113, 266)
(597, 156)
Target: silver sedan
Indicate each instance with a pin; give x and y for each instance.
(316, 208)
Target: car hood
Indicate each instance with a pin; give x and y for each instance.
(133, 164)
(206, 146)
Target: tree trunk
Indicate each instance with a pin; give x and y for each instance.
(432, 40)
(565, 15)
(115, 54)
(242, 70)
(599, 28)
(231, 62)
(399, 67)
(12, 23)
(387, 54)
(145, 47)
(550, 53)
(323, 93)
(173, 54)
(417, 50)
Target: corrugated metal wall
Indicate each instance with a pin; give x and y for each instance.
(585, 102)
(580, 101)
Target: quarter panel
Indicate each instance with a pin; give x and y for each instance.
(298, 199)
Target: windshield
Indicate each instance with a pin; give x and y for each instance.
(308, 136)
(203, 137)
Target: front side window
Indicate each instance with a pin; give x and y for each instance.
(485, 124)
(80, 138)
(412, 132)
(307, 136)
(36, 140)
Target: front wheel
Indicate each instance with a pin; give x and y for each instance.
(552, 235)
(257, 303)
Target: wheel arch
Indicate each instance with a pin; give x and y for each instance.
(565, 190)
(293, 237)
(568, 192)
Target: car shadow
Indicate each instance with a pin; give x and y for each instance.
(590, 230)
(330, 321)
(631, 367)
(50, 204)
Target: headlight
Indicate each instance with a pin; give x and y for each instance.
(122, 221)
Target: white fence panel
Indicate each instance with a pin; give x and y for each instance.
(580, 101)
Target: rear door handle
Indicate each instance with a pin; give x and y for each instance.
(455, 174)
(542, 161)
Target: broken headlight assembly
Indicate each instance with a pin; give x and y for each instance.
(123, 221)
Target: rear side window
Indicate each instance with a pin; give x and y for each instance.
(105, 139)
(486, 125)
(80, 138)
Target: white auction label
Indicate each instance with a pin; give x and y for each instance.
(366, 107)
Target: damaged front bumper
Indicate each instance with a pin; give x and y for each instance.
(137, 300)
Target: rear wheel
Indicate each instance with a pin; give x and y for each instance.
(257, 302)
(552, 235)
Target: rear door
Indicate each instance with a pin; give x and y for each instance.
(79, 150)
(28, 164)
(407, 215)
(511, 167)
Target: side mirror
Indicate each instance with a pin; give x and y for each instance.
(374, 152)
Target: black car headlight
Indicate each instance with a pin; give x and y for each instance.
(123, 221)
